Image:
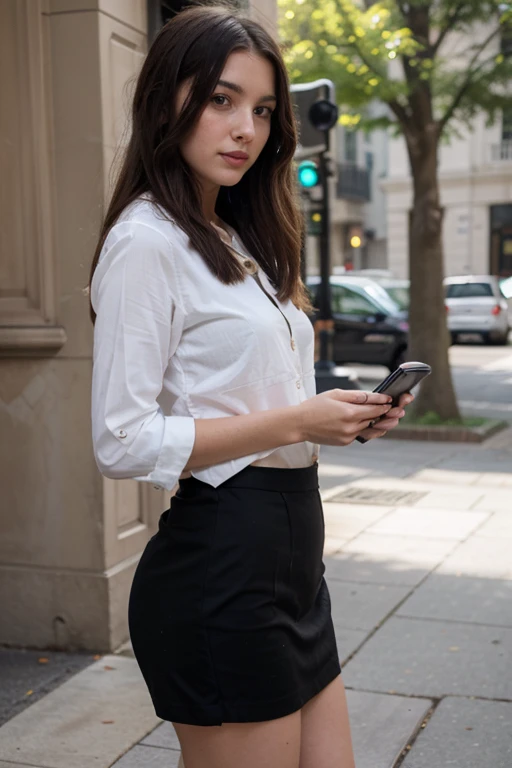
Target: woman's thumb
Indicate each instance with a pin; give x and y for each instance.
(350, 395)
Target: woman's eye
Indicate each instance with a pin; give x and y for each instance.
(225, 97)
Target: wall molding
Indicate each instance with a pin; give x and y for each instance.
(28, 282)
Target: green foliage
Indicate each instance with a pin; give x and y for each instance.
(443, 54)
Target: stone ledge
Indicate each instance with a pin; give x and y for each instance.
(447, 434)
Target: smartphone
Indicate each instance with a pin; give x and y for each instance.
(400, 381)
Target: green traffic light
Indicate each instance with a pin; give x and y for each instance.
(308, 174)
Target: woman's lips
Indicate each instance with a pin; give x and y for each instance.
(234, 161)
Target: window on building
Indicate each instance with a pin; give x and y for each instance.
(506, 125)
(350, 146)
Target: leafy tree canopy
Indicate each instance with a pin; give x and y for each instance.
(449, 50)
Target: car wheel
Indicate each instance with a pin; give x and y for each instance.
(453, 338)
(503, 339)
(486, 338)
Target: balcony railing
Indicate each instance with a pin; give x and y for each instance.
(501, 151)
(353, 183)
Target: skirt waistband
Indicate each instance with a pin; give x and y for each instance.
(265, 479)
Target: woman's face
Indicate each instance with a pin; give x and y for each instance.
(231, 121)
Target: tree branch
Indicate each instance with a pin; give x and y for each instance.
(467, 80)
(452, 19)
(400, 113)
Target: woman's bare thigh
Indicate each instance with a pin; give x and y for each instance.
(325, 729)
(268, 744)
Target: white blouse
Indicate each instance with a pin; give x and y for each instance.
(172, 344)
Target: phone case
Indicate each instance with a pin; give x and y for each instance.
(402, 380)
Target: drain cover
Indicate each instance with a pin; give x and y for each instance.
(385, 496)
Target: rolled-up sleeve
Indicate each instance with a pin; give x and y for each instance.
(139, 322)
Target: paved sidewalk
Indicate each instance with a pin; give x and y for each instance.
(418, 541)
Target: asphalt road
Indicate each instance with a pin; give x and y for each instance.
(482, 377)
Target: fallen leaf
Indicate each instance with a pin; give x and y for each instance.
(454, 648)
(43, 661)
(468, 729)
(107, 722)
(29, 693)
(107, 667)
(96, 657)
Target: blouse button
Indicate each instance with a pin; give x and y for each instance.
(297, 384)
(292, 344)
(250, 266)
(121, 433)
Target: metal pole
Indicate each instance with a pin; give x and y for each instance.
(326, 325)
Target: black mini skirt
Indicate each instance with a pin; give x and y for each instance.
(229, 611)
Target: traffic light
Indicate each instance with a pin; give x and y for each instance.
(315, 222)
(309, 174)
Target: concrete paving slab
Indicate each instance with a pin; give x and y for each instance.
(333, 545)
(347, 640)
(495, 500)
(381, 726)
(434, 658)
(381, 559)
(498, 525)
(433, 523)
(465, 733)
(29, 675)
(88, 721)
(3, 764)
(148, 757)
(363, 606)
(496, 479)
(446, 476)
(461, 598)
(480, 556)
(164, 736)
(345, 521)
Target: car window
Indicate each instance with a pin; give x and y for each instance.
(468, 290)
(382, 297)
(348, 302)
(400, 295)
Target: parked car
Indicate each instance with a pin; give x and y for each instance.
(368, 325)
(396, 287)
(476, 304)
(398, 290)
(506, 287)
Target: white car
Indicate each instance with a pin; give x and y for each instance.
(475, 304)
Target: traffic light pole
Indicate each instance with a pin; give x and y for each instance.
(323, 115)
(325, 319)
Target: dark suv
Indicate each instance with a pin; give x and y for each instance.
(368, 325)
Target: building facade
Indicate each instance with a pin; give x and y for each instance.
(70, 539)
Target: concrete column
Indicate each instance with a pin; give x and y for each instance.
(69, 539)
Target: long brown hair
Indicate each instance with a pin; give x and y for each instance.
(264, 206)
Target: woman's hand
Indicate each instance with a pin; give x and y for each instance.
(390, 420)
(337, 416)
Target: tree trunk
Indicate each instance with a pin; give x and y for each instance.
(429, 337)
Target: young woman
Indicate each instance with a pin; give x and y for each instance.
(204, 375)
